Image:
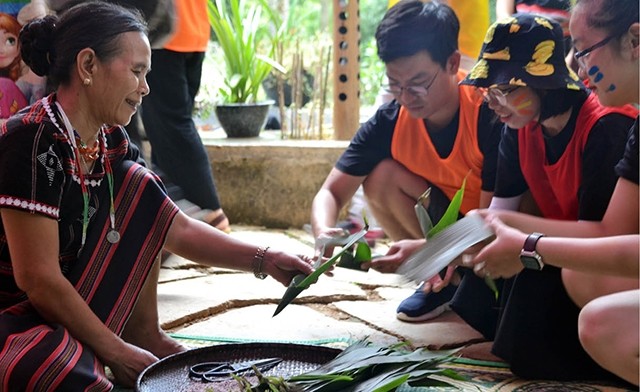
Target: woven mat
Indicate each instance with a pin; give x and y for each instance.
(192, 341)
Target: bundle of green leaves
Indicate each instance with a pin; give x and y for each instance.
(364, 367)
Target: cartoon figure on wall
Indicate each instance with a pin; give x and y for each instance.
(11, 97)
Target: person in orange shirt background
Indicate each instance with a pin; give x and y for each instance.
(474, 22)
(167, 112)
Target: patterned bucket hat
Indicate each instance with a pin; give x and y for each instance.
(523, 50)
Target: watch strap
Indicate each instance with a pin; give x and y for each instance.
(531, 241)
(529, 258)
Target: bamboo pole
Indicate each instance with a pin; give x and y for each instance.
(346, 66)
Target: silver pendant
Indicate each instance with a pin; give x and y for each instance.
(113, 236)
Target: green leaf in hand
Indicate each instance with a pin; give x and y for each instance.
(300, 282)
(451, 214)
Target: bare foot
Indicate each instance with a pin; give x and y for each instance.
(158, 343)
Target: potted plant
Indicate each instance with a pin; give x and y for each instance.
(248, 45)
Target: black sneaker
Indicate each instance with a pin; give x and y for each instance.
(422, 307)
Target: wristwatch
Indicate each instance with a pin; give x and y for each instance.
(528, 255)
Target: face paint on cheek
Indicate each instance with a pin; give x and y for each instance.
(611, 88)
(598, 77)
(521, 104)
(593, 70)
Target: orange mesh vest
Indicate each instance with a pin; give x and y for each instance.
(192, 27)
(555, 187)
(412, 147)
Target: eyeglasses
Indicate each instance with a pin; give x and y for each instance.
(580, 55)
(416, 91)
(497, 94)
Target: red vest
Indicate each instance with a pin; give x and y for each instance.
(412, 147)
(555, 187)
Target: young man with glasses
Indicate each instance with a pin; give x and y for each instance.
(435, 134)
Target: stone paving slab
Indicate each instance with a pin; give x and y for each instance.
(445, 331)
(214, 302)
(172, 275)
(295, 323)
(186, 300)
(275, 239)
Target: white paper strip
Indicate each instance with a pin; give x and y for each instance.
(444, 247)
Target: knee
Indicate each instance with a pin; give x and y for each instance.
(591, 329)
(377, 184)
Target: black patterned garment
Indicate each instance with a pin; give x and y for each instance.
(38, 175)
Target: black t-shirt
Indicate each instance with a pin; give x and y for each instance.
(628, 168)
(372, 143)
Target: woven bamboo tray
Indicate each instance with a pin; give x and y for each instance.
(171, 374)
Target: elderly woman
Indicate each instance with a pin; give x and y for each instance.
(606, 35)
(82, 223)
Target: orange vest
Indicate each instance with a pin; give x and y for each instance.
(412, 147)
(555, 187)
(192, 27)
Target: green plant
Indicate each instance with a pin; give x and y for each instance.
(248, 46)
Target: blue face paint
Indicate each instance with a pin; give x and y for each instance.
(598, 77)
(593, 70)
(612, 87)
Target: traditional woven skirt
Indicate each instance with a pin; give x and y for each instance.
(39, 356)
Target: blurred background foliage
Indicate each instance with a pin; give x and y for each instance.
(308, 25)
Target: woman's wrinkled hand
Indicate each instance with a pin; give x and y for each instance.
(283, 266)
(127, 365)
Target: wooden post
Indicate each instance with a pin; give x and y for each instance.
(346, 68)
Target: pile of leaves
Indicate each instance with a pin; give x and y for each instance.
(364, 367)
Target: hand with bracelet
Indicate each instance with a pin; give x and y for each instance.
(204, 244)
(281, 266)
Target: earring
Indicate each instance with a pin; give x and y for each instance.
(86, 81)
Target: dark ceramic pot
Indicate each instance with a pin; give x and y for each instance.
(243, 119)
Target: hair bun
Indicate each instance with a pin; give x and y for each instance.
(36, 44)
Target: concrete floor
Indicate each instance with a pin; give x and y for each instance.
(226, 304)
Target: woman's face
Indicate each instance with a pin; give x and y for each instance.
(120, 84)
(605, 67)
(8, 48)
(517, 107)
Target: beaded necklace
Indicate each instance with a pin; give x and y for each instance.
(88, 154)
(101, 147)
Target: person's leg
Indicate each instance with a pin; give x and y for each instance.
(392, 191)
(143, 327)
(583, 287)
(176, 147)
(608, 328)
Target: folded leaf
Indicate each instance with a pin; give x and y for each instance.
(300, 282)
(423, 215)
(451, 214)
